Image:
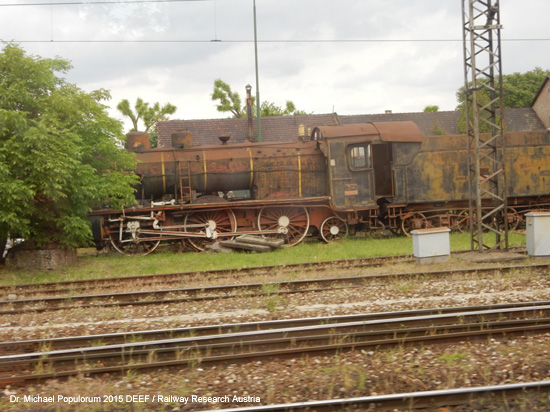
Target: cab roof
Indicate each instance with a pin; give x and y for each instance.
(407, 132)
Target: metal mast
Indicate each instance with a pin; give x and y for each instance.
(484, 114)
(258, 112)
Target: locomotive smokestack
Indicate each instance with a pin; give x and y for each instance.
(249, 112)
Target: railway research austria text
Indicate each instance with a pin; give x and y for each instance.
(158, 398)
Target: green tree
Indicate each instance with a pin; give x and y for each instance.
(230, 101)
(482, 100)
(431, 109)
(270, 109)
(149, 115)
(518, 90)
(60, 153)
(436, 129)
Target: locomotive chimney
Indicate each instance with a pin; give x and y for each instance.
(249, 112)
(181, 139)
(137, 141)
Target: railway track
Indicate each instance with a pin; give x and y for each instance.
(85, 286)
(202, 293)
(411, 400)
(74, 287)
(279, 339)
(73, 342)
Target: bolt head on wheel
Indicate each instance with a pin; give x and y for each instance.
(211, 224)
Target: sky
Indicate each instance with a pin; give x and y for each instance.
(344, 56)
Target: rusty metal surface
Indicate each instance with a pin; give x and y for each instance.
(438, 171)
(182, 139)
(399, 131)
(137, 141)
(375, 131)
(293, 168)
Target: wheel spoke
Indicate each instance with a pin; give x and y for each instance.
(132, 244)
(415, 221)
(333, 229)
(293, 220)
(222, 221)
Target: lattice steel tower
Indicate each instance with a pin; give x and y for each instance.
(484, 108)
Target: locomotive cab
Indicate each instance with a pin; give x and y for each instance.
(360, 158)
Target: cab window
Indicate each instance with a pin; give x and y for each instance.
(359, 157)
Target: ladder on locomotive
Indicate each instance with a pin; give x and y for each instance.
(186, 192)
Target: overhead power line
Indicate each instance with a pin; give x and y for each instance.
(81, 3)
(265, 41)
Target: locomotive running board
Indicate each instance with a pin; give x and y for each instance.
(234, 204)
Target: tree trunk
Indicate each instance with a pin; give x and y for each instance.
(3, 241)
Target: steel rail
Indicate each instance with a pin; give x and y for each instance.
(234, 345)
(440, 319)
(207, 292)
(408, 400)
(86, 284)
(288, 342)
(245, 357)
(70, 342)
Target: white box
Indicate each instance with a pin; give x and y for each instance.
(431, 243)
(537, 228)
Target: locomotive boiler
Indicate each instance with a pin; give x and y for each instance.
(376, 176)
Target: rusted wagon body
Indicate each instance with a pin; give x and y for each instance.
(374, 176)
(431, 181)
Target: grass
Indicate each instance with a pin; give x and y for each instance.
(92, 265)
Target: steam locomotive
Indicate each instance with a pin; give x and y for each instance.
(380, 176)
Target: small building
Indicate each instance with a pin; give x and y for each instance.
(541, 103)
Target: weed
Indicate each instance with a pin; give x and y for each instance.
(271, 288)
(97, 342)
(272, 304)
(152, 357)
(452, 357)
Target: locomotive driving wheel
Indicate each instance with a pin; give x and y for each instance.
(333, 228)
(463, 221)
(128, 240)
(412, 222)
(512, 219)
(216, 221)
(292, 222)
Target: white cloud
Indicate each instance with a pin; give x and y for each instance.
(351, 77)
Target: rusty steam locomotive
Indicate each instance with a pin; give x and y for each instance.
(374, 176)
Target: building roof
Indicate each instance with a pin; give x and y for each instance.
(274, 129)
(289, 128)
(516, 120)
